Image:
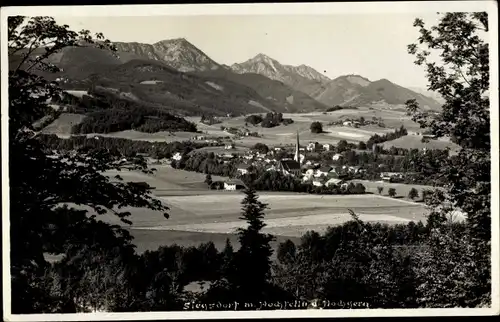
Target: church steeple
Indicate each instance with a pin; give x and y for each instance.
(297, 149)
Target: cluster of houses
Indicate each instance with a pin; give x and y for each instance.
(206, 139)
(312, 172)
(355, 122)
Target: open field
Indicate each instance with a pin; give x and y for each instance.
(169, 180)
(402, 189)
(221, 149)
(199, 215)
(415, 142)
(200, 218)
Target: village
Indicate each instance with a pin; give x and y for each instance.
(300, 162)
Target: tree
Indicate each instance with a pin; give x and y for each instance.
(380, 189)
(425, 194)
(286, 252)
(413, 193)
(316, 127)
(41, 181)
(253, 263)
(208, 179)
(362, 145)
(342, 146)
(462, 78)
(261, 147)
(253, 119)
(391, 192)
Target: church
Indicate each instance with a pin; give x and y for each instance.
(292, 167)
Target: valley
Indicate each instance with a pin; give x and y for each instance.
(175, 77)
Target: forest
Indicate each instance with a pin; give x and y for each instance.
(106, 112)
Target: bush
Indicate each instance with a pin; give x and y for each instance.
(392, 192)
(316, 127)
(253, 119)
(413, 193)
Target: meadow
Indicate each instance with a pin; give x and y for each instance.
(200, 215)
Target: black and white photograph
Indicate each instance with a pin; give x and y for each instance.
(250, 160)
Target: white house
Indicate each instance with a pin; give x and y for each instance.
(243, 169)
(317, 183)
(347, 123)
(337, 157)
(312, 146)
(229, 146)
(334, 182)
(389, 176)
(327, 147)
(177, 156)
(233, 185)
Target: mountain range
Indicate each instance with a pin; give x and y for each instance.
(177, 73)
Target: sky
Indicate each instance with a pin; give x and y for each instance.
(370, 45)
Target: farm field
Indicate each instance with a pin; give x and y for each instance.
(199, 215)
(415, 142)
(402, 189)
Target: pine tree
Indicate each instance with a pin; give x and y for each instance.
(253, 263)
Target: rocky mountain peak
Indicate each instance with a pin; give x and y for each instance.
(178, 53)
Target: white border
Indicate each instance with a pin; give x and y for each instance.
(258, 9)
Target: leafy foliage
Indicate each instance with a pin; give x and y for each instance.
(461, 77)
(41, 182)
(261, 147)
(413, 193)
(316, 127)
